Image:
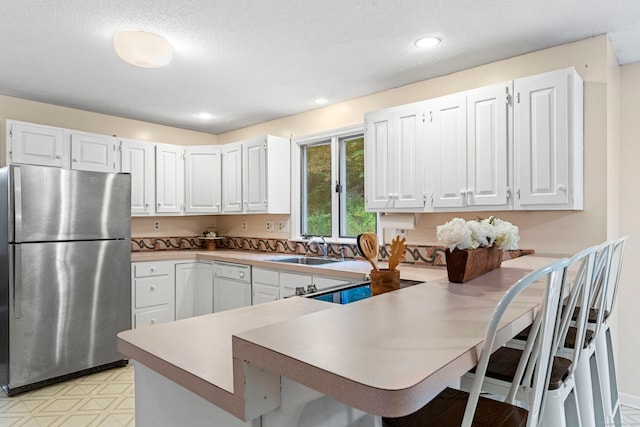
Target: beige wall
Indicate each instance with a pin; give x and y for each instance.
(629, 293)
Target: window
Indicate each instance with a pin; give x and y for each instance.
(332, 185)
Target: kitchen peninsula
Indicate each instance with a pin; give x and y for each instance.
(304, 362)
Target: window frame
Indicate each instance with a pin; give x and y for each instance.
(334, 136)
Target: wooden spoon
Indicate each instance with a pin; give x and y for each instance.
(362, 251)
(369, 244)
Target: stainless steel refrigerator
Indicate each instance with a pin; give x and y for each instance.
(65, 262)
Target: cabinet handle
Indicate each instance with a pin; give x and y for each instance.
(152, 322)
(470, 191)
(146, 205)
(152, 287)
(74, 160)
(241, 274)
(562, 188)
(58, 157)
(152, 269)
(463, 192)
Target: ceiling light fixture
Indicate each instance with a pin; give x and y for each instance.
(204, 116)
(320, 101)
(427, 42)
(142, 49)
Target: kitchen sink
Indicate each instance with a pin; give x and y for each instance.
(306, 260)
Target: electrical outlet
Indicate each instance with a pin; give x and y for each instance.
(156, 225)
(401, 232)
(283, 226)
(270, 226)
(245, 227)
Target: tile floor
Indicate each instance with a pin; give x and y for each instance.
(105, 399)
(102, 399)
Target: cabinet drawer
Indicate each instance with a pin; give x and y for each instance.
(142, 269)
(268, 277)
(152, 317)
(151, 291)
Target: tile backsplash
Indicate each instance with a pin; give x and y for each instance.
(415, 254)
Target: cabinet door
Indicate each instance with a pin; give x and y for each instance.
(96, 153)
(202, 179)
(547, 125)
(378, 161)
(186, 275)
(254, 163)
(169, 178)
(487, 151)
(232, 177)
(36, 144)
(194, 289)
(448, 132)
(408, 158)
(203, 303)
(137, 159)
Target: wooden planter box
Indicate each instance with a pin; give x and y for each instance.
(467, 264)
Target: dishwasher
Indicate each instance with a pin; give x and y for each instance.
(231, 286)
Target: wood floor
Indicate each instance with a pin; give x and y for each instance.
(104, 399)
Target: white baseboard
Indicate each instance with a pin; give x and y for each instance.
(630, 400)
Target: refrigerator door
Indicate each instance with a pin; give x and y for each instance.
(50, 204)
(68, 300)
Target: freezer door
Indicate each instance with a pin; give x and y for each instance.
(68, 300)
(50, 204)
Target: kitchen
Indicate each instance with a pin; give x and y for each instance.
(547, 232)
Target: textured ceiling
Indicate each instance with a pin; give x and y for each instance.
(249, 61)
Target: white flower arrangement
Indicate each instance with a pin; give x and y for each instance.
(478, 233)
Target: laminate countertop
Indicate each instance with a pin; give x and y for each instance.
(354, 269)
(386, 355)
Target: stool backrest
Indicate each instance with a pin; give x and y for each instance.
(538, 358)
(579, 289)
(606, 272)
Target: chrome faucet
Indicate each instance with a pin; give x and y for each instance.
(323, 246)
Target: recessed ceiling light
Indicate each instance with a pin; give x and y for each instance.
(426, 42)
(204, 116)
(320, 101)
(142, 49)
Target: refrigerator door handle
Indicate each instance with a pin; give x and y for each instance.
(17, 203)
(17, 282)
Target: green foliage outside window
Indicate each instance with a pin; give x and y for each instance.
(319, 189)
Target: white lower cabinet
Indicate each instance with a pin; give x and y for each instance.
(265, 285)
(193, 289)
(152, 288)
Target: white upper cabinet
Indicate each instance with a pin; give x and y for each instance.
(33, 144)
(448, 133)
(232, 177)
(548, 141)
(487, 147)
(469, 133)
(202, 179)
(266, 174)
(254, 185)
(138, 159)
(169, 178)
(94, 152)
(395, 162)
(256, 176)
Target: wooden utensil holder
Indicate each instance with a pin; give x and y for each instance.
(384, 280)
